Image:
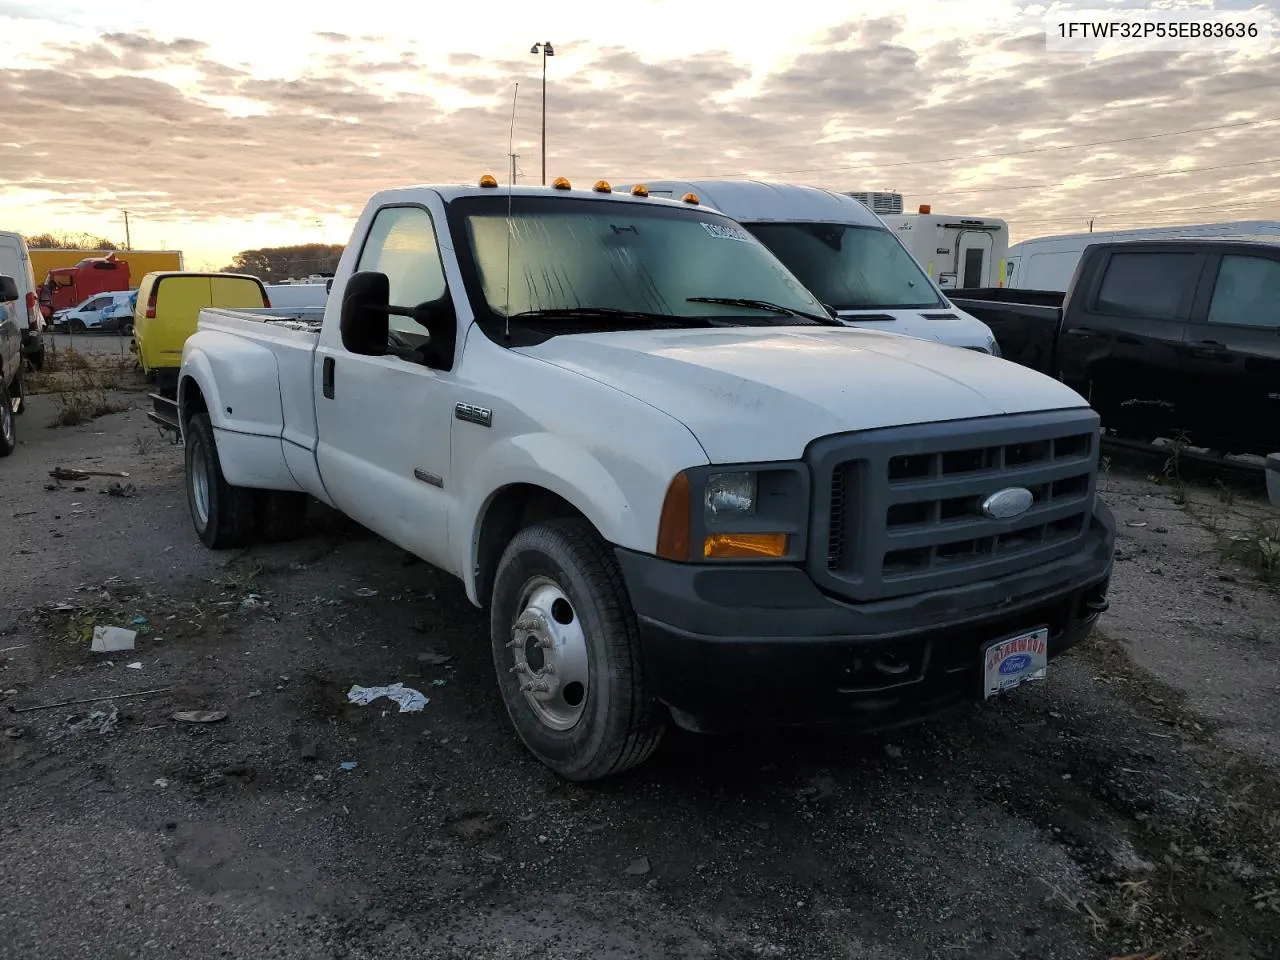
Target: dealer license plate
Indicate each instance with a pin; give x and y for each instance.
(1009, 663)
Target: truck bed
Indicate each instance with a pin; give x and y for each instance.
(269, 355)
(1025, 323)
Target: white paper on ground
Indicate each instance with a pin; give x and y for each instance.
(110, 639)
(410, 700)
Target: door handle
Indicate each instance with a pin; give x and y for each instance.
(1080, 332)
(1211, 344)
(327, 375)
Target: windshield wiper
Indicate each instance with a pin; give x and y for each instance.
(766, 305)
(610, 313)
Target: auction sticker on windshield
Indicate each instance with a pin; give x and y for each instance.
(722, 232)
(1008, 663)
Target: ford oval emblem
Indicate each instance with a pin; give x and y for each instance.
(1016, 663)
(1007, 503)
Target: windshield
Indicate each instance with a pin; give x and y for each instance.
(850, 267)
(623, 264)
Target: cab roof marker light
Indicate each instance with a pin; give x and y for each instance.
(690, 198)
(488, 181)
(562, 183)
(639, 190)
(602, 186)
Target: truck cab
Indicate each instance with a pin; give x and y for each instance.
(842, 252)
(64, 288)
(1169, 338)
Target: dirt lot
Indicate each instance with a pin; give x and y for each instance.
(1128, 806)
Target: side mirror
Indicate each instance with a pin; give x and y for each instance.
(363, 322)
(8, 290)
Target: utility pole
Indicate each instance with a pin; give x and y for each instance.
(513, 167)
(128, 243)
(1091, 224)
(547, 51)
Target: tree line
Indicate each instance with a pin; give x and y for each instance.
(274, 264)
(69, 241)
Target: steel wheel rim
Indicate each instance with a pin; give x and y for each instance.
(549, 647)
(199, 483)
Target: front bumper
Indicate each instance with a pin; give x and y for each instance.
(763, 646)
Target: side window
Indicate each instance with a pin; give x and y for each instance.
(1247, 292)
(402, 244)
(1150, 285)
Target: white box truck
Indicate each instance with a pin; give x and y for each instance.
(958, 251)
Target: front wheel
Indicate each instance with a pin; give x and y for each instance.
(76, 326)
(222, 514)
(567, 652)
(8, 439)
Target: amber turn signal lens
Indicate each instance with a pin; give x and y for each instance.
(744, 545)
(673, 524)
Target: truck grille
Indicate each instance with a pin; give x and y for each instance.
(899, 511)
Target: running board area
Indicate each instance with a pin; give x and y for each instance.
(164, 414)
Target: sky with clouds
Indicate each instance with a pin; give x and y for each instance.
(233, 125)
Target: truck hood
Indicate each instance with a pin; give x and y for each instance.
(962, 330)
(748, 393)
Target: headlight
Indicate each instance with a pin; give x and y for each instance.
(729, 496)
(748, 512)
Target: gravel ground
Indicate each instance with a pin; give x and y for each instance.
(1129, 805)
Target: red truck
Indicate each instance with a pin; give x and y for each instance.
(66, 287)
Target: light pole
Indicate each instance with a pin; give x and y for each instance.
(546, 50)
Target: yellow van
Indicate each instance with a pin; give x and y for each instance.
(168, 305)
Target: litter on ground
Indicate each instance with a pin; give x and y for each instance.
(200, 716)
(111, 639)
(410, 700)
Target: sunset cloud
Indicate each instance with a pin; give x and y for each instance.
(209, 150)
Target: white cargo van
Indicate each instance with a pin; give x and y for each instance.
(842, 252)
(25, 312)
(958, 251)
(298, 294)
(1048, 263)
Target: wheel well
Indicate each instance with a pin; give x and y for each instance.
(511, 510)
(190, 400)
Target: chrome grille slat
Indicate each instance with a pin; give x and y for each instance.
(902, 503)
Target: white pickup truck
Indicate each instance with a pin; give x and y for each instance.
(682, 490)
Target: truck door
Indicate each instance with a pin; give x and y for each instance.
(384, 423)
(1121, 337)
(1231, 352)
(974, 257)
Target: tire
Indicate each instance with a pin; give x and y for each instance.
(18, 396)
(609, 722)
(36, 358)
(221, 513)
(76, 326)
(281, 515)
(8, 439)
